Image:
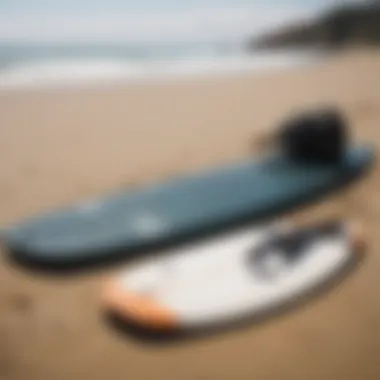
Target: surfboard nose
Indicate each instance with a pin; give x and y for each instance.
(137, 308)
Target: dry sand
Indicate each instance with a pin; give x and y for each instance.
(59, 147)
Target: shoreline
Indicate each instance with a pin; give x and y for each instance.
(75, 73)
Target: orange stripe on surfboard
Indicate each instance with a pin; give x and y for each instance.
(137, 308)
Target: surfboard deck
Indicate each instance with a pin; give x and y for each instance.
(160, 213)
(237, 275)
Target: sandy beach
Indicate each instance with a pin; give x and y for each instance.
(57, 147)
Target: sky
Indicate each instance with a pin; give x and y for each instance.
(147, 20)
(141, 4)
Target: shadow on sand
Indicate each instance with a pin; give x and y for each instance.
(146, 336)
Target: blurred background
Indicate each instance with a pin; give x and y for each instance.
(103, 95)
(45, 41)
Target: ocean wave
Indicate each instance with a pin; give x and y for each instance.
(62, 73)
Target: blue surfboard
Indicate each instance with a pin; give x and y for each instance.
(171, 210)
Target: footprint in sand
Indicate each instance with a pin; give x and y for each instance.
(365, 110)
(20, 303)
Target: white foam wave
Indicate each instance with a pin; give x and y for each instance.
(66, 73)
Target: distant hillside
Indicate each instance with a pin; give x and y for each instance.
(348, 25)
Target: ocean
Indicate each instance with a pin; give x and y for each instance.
(32, 65)
(70, 43)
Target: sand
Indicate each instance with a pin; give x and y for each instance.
(62, 146)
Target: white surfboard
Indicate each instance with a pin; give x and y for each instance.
(231, 277)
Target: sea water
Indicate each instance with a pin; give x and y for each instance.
(44, 46)
(32, 65)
